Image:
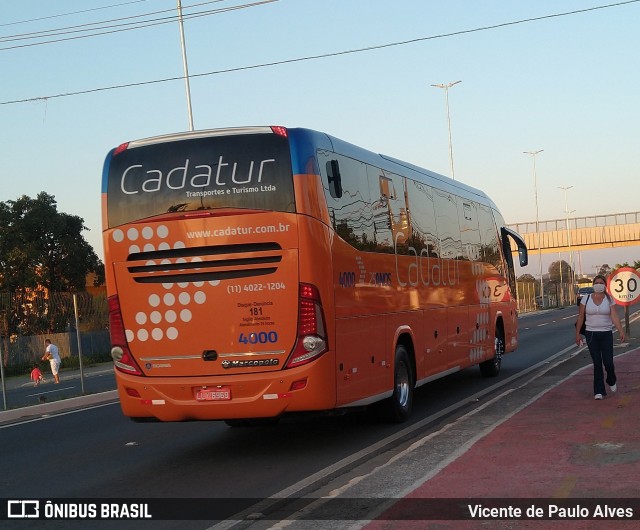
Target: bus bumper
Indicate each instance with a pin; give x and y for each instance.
(310, 387)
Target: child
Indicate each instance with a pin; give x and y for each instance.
(36, 376)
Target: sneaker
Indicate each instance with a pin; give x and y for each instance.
(598, 396)
(614, 387)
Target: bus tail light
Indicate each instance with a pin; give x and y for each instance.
(120, 148)
(119, 348)
(298, 385)
(312, 341)
(279, 130)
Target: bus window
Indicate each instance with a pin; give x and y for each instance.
(448, 225)
(422, 218)
(390, 219)
(252, 171)
(490, 247)
(469, 233)
(351, 211)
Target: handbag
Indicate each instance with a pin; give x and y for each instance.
(583, 328)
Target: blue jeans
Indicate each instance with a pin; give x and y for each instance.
(600, 345)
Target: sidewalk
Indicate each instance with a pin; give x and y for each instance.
(564, 445)
(12, 383)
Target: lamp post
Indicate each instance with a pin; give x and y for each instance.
(567, 212)
(535, 191)
(186, 68)
(446, 92)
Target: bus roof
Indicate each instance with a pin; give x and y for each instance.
(306, 141)
(311, 138)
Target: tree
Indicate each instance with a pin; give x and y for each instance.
(605, 270)
(526, 278)
(636, 265)
(560, 270)
(41, 250)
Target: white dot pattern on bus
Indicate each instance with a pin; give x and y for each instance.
(361, 268)
(480, 335)
(159, 313)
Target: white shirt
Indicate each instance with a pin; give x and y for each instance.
(598, 317)
(53, 350)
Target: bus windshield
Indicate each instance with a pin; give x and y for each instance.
(248, 171)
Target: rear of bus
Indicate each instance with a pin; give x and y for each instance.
(217, 264)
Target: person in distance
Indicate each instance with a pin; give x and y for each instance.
(599, 310)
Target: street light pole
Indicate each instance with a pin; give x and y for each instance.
(186, 68)
(446, 92)
(567, 212)
(535, 191)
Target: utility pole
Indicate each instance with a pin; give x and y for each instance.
(446, 91)
(535, 191)
(186, 68)
(567, 212)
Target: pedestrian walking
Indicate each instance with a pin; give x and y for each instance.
(599, 310)
(51, 354)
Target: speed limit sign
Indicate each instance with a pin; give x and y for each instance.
(624, 285)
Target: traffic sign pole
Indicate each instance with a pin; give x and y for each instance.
(627, 329)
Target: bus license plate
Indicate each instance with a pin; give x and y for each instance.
(214, 394)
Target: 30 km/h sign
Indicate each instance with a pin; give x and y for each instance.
(624, 286)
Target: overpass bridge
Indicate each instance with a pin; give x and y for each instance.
(581, 233)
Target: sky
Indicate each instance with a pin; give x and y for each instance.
(558, 76)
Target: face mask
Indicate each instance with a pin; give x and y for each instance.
(598, 288)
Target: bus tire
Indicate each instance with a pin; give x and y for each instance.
(491, 368)
(397, 408)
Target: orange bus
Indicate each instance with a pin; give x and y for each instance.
(258, 271)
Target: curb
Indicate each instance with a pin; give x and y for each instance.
(45, 409)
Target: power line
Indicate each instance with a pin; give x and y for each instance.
(136, 25)
(63, 30)
(70, 13)
(324, 55)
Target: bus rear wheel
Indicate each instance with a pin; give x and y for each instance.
(491, 368)
(397, 408)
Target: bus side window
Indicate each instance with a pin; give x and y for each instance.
(490, 249)
(448, 225)
(469, 232)
(387, 189)
(351, 215)
(334, 178)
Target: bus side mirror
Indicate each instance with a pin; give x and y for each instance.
(524, 256)
(334, 178)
